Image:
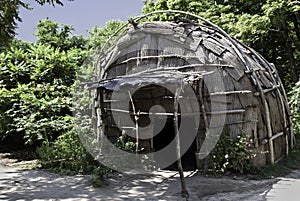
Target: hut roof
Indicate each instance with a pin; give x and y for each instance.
(216, 49)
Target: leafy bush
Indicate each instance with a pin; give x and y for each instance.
(99, 35)
(231, 155)
(36, 88)
(58, 36)
(99, 175)
(295, 106)
(125, 144)
(37, 99)
(67, 155)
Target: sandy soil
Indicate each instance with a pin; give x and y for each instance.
(20, 184)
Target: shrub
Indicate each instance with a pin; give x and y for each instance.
(294, 96)
(231, 155)
(124, 143)
(35, 91)
(67, 155)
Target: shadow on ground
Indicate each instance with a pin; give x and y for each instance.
(20, 184)
(36, 184)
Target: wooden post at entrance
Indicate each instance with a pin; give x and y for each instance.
(136, 118)
(184, 191)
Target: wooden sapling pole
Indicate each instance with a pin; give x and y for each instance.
(184, 191)
(100, 123)
(205, 120)
(136, 118)
(267, 117)
(285, 123)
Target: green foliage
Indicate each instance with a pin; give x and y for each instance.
(99, 175)
(58, 36)
(9, 17)
(67, 155)
(36, 87)
(99, 35)
(38, 95)
(231, 155)
(294, 102)
(125, 144)
(36, 114)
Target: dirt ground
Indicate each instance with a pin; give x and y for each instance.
(20, 184)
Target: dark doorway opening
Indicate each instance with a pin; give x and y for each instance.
(163, 130)
(167, 134)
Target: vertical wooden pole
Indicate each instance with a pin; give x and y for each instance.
(267, 118)
(285, 124)
(100, 123)
(205, 120)
(136, 118)
(283, 101)
(184, 191)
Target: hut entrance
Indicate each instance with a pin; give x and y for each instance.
(161, 123)
(167, 134)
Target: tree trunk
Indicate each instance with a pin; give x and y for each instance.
(290, 53)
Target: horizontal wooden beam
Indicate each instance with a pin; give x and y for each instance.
(229, 93)
(274, 136)
(277, 135)
(267, 90)
(171, 114)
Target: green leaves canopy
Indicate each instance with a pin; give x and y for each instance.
(58, 36)
(37, 80)
(36, 85)
(9, 16)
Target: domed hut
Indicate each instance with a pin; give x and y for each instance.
(194, 78)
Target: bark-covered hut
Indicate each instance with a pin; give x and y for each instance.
(233, 86)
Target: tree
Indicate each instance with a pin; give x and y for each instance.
(272, 27)
(36, 85)
(284, 30)
(9, 16)
(99, 35)
(37, 82)
(295, 106)
(58, 36)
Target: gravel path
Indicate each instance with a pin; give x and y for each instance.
(19, 184)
